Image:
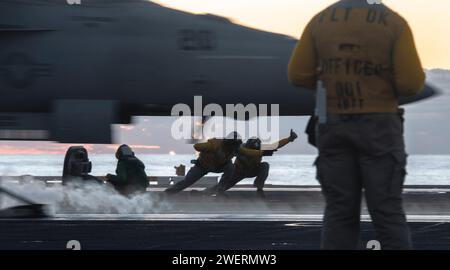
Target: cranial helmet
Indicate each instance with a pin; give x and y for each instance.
(76, 163)
(253, 143)
(80, 154)
(124, 151)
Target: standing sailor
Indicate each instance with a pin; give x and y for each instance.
(366, 58)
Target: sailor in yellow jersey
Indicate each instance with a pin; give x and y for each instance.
(215, 156)
(366, 58)
(249, 164)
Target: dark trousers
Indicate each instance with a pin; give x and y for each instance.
(363, 153)
(196, 173)
(261, 172)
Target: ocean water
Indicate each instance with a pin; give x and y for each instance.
(285, 169)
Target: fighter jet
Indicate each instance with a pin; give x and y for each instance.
(69, 71)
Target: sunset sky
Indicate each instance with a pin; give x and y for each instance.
(430, 19)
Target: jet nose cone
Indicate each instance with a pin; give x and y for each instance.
(428, 91)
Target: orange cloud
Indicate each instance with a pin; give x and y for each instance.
(48, 148)
(12, 150)
(147, 147)
(126, 127)
(40, 148)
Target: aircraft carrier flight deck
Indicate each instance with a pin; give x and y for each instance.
(287, 218)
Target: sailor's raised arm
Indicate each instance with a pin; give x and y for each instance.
(281, 143)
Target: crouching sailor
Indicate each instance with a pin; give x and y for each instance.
(131, 177)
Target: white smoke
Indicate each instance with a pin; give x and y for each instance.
(86, 198)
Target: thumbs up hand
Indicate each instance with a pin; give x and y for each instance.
(293, 136)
